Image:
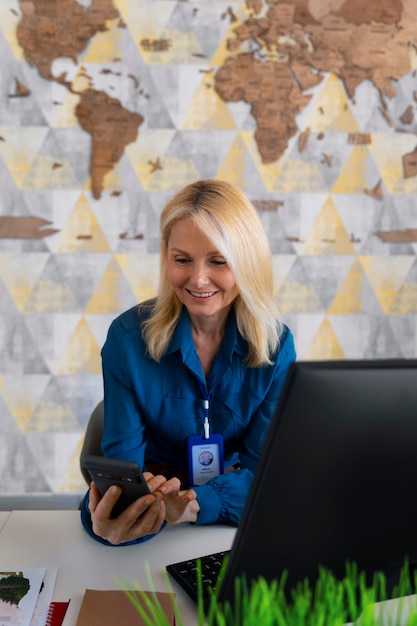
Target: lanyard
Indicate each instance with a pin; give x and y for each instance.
(206, 406)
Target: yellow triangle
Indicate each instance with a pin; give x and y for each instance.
(22, 399)
(295, 297)
(297, 175)
(405, 302)
(49, 296)
(388, 152)
(386, 275)
(105, 46)
(66, 117)
(352, 179)
(328, 235)
(106, 298)
(72, 481)
(233, 167)
(325, 344)
(82, 355)
(141, 272)
(82, 232)
(123, 7)
(20, 274)
(207, 110)
(9, 21)
(332, 111)
(349, 299)
(20, 149)
(51, 415)
(268, 172)
(147, 155)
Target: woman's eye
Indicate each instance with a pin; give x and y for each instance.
(219, 262)
(181, 261)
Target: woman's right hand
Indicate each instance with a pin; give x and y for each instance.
(143, 517)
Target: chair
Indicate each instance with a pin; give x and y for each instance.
(93, 437)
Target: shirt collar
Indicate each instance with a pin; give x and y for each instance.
(182, 339)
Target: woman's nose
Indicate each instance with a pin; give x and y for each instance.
(199, 276)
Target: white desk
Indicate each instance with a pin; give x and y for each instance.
(3, 518)
(57, 538)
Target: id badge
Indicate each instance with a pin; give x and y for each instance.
(205, 458)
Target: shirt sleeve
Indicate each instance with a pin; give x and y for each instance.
(222, 499)
(123, 438)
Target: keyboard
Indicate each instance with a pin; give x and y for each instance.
(185, 573)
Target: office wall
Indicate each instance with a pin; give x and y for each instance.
(108, 107)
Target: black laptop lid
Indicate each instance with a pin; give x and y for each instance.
(337, 478)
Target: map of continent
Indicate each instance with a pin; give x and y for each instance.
(280, 52)
(283, 49)
(48, 31)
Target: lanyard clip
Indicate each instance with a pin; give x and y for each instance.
(206, 428)
(206, 405)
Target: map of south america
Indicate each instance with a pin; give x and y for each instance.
(48, 31)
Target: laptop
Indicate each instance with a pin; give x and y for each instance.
(336, 481)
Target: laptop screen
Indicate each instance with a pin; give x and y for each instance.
(337, 477)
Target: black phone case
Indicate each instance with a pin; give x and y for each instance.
(106, 472)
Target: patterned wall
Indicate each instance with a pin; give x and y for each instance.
(80, 199)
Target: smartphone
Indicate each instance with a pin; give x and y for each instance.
(106, 472)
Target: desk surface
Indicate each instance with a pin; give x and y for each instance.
(56, 538)
(3, 518)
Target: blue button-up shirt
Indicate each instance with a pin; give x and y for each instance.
(151, 409)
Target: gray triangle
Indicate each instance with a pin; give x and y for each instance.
(25, 109)
(365, 336)
(207, 149)
(329, 153)
(404, 328)
(208, 21)
(74, 144)
(81, 393)
(386, 219)
(20, 354)
(12, 201)
(275, 226)
(382, 343)
(81, 278)
(20, 471)
(326, 274)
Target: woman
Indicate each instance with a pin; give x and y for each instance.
(208, 349)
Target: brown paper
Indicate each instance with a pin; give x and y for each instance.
(114, 608)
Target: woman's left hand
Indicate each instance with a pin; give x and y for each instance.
(180, 505)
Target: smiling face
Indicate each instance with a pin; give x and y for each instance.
(198, 272)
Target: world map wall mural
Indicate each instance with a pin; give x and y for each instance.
(108, 107)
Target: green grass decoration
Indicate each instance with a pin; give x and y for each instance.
(329, 602)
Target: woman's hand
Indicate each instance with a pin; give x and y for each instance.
(143, 517)
(180, 505)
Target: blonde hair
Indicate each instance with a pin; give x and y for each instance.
(229, 220)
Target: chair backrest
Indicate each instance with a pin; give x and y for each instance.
(93, 437)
